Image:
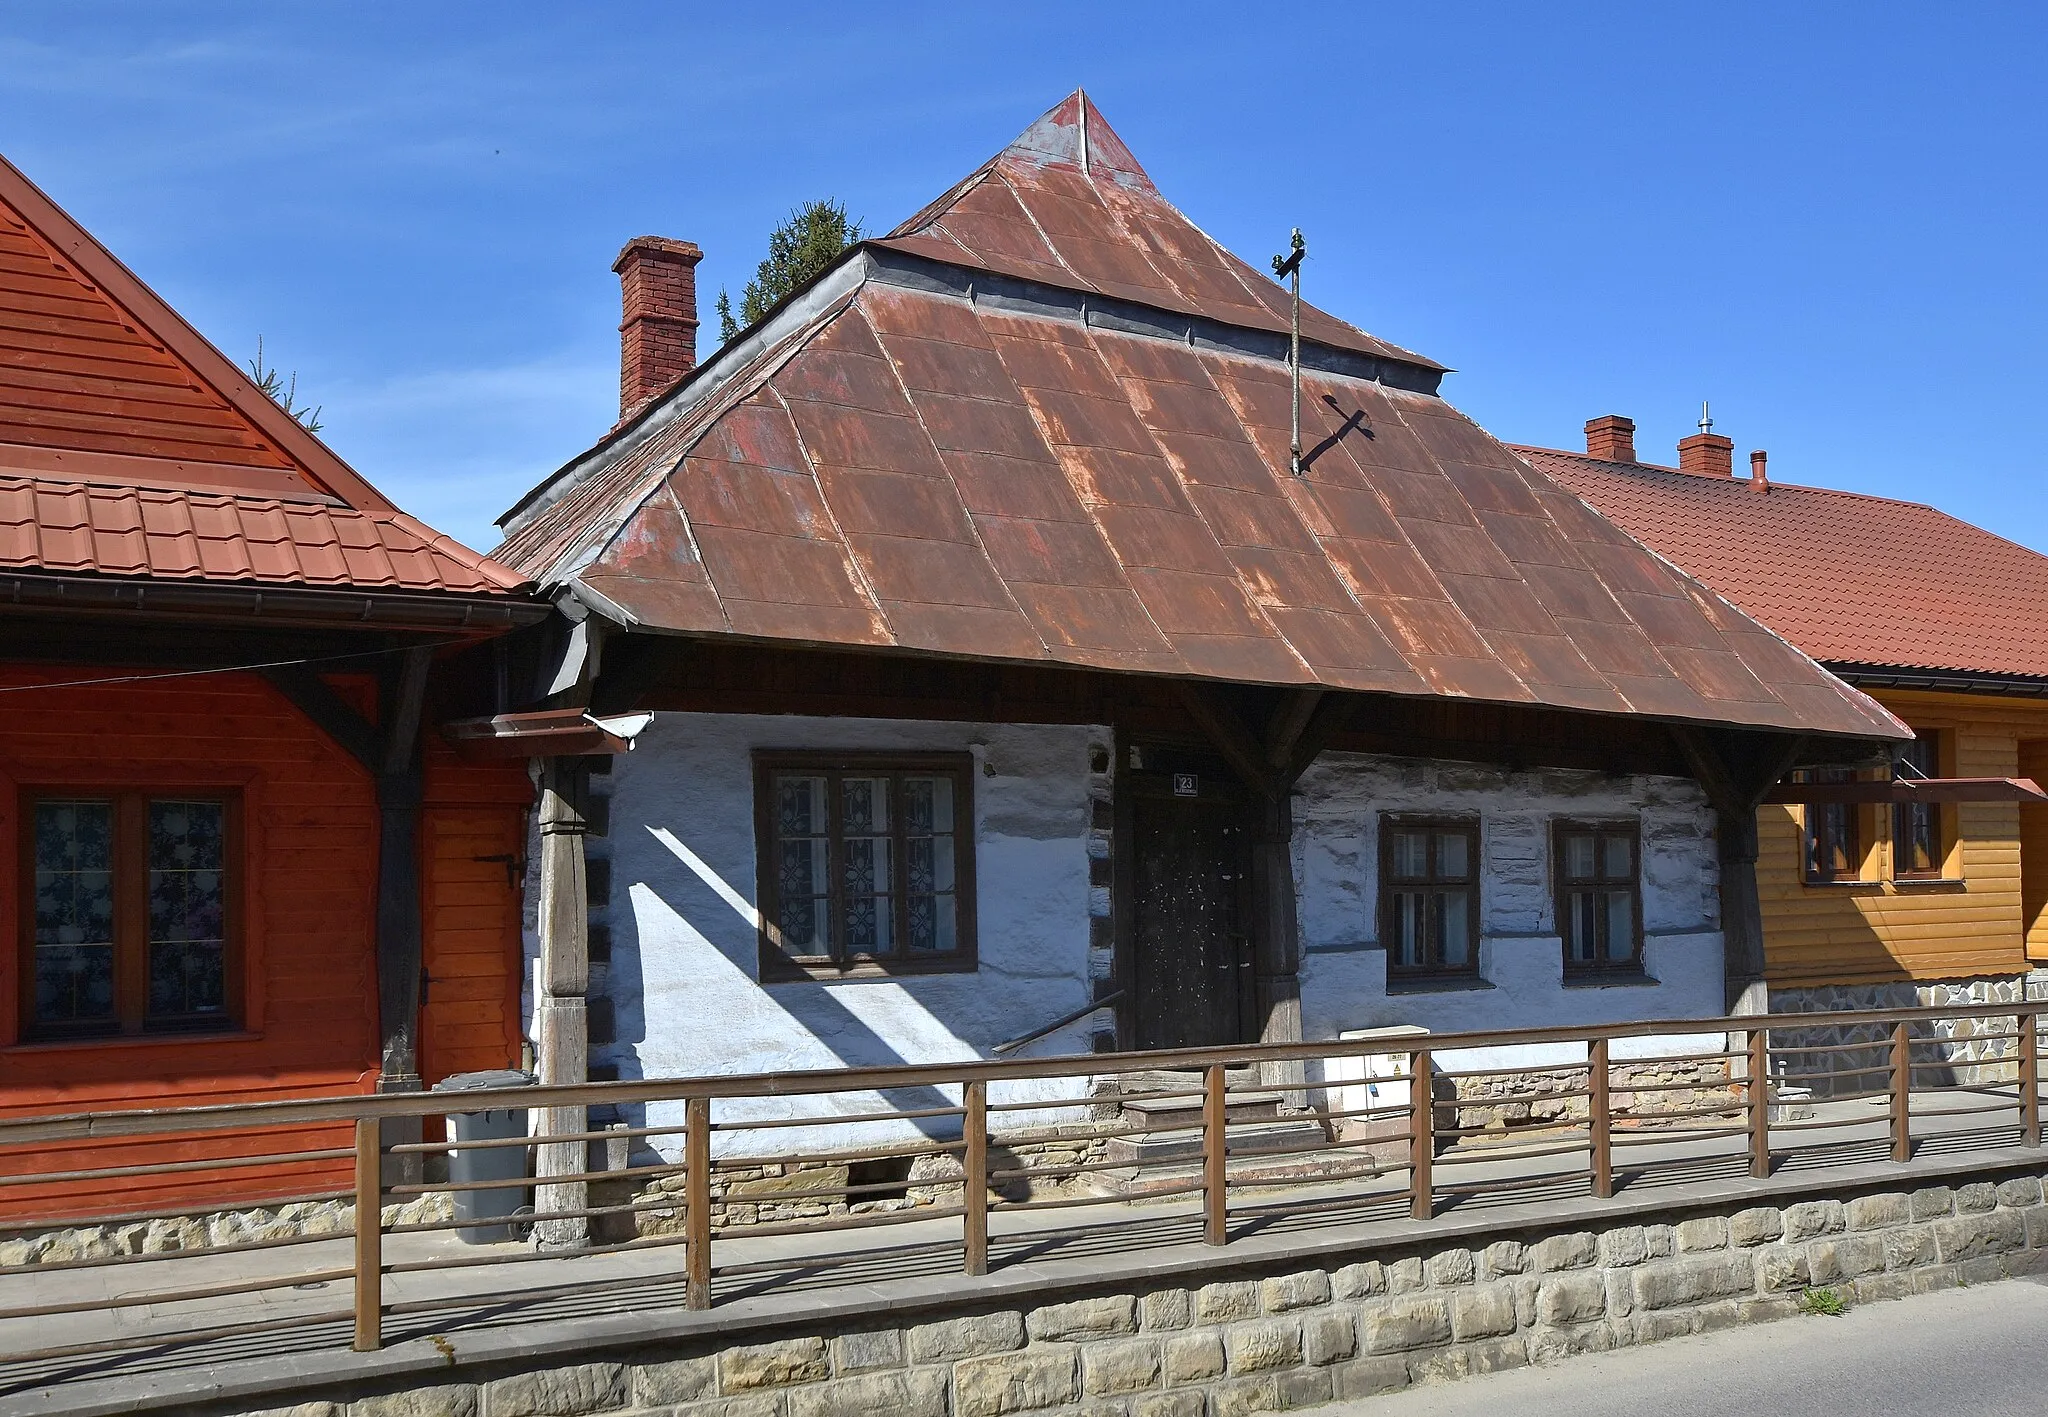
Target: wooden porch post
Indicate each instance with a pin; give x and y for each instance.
(561, 1020)
(401, 787)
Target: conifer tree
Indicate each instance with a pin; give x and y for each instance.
(809, 241)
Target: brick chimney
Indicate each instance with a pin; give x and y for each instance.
(1707, 455)
(1611, 438)
(658, 335)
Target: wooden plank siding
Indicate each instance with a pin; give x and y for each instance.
(1876, 929)
(309, 1025)
(79, 371)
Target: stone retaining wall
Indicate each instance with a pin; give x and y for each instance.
(1256, 1342)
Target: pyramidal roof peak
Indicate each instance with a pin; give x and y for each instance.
(1074, 133)
(1067, 204)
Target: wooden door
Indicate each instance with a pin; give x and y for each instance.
(1189, 952)
(470, 894)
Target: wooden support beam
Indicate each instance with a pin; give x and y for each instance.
(1227, 733)
(330, 713)
(400, 787)
(1736, 770)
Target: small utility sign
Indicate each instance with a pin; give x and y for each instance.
(1187, 784)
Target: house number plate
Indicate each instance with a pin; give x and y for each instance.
(1187, 784)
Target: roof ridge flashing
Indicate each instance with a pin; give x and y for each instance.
(1740, 482)
(1045, 300)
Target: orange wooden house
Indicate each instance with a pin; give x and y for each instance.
(243, 865)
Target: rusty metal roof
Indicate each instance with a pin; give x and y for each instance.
(911, 460)
(130, 447)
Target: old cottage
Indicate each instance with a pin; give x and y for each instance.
(1012, 690)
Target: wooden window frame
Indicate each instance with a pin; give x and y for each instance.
(131, 1021)
(1811, 817)
(1390, 823)
(1563, 886)
(776, 964)
(1900, 813)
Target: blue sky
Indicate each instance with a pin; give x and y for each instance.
(1827, 218)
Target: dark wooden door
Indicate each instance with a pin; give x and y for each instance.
(1188, 944)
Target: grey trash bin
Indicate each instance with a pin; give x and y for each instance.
(488, 1163)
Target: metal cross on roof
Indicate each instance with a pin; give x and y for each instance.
(1290, 266)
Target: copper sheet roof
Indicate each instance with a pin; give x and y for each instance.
(912, 466)
(129, 446)
(1849, 578)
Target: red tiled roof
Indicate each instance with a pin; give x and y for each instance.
(1849, 578)
(917, 468)
(75, 529)
(129, 446)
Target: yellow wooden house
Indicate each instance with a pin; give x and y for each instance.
(1909, 895)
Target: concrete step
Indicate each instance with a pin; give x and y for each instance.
(1185, 1143)
(1175, 1113)
(1166, 1178)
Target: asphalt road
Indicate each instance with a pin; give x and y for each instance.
(1981, 1351)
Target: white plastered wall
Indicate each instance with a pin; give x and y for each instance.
(684, 973)
(1337, 814)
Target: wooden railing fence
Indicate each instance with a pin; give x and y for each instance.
(1934, 1069)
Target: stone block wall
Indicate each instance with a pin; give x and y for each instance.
(1294, 1338)
(1969, 1051)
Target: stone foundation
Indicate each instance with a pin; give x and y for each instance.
(1637, 1092)
(200, 1231)
(1966, 1051)
(1262, 1342)
(751, 1192)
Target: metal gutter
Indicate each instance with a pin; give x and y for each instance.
(213, 600)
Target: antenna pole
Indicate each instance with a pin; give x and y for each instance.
(1290, 266)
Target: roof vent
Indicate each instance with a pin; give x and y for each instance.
(1759, 480)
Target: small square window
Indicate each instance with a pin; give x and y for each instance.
(129, 912)
(865, 864)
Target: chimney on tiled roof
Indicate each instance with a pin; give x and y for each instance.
(658, 334)
(1611, 438)
(1706, 453)
(1759, 479)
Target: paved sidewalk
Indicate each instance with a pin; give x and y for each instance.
(1981, 1351)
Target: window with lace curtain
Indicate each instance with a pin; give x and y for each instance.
(1598, 869)
(865, 864)
(129, 913)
